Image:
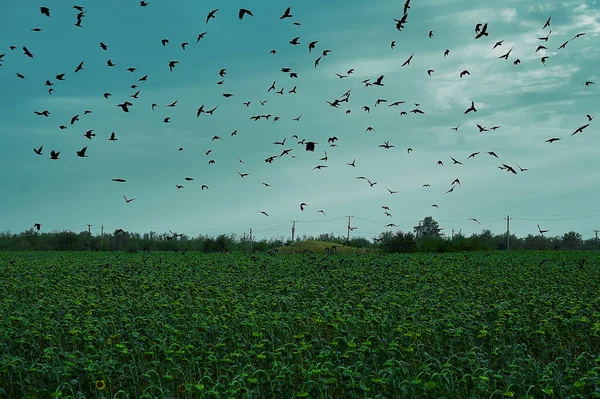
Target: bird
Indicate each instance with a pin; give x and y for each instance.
(541, 231)
(37, 226)
(473, 219)
(507, 54)
(45, 11)
(482, 32)
(38, 150)
(128, 200)
(580, 129)
(547, 24)
(471, 108)
(263, 212)
(81, 153)
(302, 205)
(211, 15)
(201, 36)
(112, 137)
(119, 180)
(286, 14)
(243, 12)
(54, 155)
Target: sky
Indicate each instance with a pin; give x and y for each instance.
(530, 103)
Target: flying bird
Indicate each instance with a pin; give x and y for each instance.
(243, 12)
(286, 14)
(211, 15)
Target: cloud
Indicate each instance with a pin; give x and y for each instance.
(509, 14)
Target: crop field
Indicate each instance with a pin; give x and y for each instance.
(167, 325)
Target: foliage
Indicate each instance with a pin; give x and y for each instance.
(172, 325)
(427, 238)
(428, 227)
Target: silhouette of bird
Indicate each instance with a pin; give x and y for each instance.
(243, 12)
(211, 15)
(81, 153)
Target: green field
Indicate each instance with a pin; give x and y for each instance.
(166, 325)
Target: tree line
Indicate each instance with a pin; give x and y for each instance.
(425, 237)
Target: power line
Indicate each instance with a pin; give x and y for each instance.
(557, 214)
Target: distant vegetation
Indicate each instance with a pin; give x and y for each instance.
(426, 237)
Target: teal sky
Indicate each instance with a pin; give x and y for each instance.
(530, 102)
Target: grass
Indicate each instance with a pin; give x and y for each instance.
(494, 325)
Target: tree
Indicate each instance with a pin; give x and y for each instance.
(572, 240)
(396, 242)
(428, 227)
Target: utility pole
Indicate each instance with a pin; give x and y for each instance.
(293, 229)
(596, 231)
(250, 240)
(508, 219)
(349, 217)
(89, 237)
(452, 234)
(101, 237)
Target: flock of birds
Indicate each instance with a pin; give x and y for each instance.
(480, 33)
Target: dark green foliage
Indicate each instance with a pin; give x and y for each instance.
(165, 325)
(397, 242)
(427, 238)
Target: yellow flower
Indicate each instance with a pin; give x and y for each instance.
(100, 385)
(108, 341)
(182, 388)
